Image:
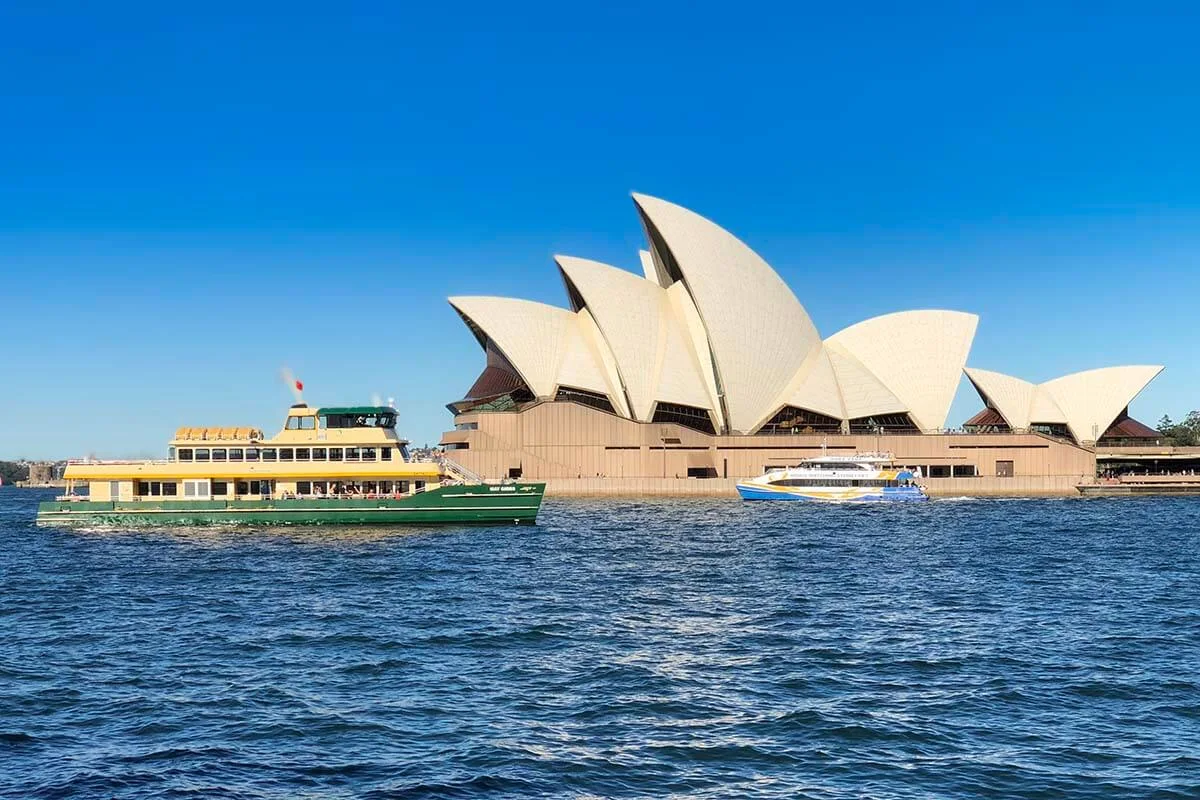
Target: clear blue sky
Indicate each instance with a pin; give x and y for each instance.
(189, 201)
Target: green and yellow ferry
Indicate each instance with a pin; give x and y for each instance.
(327, 466)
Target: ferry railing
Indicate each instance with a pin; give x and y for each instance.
(454, 469)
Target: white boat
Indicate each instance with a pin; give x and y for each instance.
(863, 477)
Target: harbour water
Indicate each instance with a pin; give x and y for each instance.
(621, 648)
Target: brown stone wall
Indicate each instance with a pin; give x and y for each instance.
(568, 440)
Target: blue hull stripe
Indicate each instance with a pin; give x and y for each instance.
(898, 495)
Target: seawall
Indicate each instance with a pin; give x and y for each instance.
(1026, 486)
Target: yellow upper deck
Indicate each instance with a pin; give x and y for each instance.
(315, 443)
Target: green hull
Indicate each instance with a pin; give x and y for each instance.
(505, 504)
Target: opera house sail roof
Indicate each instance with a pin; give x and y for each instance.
(709, 336)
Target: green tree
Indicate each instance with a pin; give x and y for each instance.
(11, 473)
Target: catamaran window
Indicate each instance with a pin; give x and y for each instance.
(318, 454)
(236, 454)
(368, 454)
(202, 454)
(220, 488)
(268, 454)
(335, 454)
(303, 487)
(385, 454)
(308, 423)
(352, 454)
(285, 454)
(302, 454)
(185, 454)
(219, 454)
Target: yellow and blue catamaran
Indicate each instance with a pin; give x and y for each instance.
(343, 465)
(865, 477)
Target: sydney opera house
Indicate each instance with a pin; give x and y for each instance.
(707, 365)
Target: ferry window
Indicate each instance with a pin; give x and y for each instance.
(318, 454)
(219, 454)
(236, 454)
(320, 487)
(142, 489)
(303, 487)
(418, 486)
(387, 421)
(285, 454)
(308, 423)
(202, 454)
(252, 454)
(402, 487)
(385, 453)
(352, 454)
(220, 488)
(964, 470)
(114, 490)
(293, 424)
(302, 454)
(404, 452)
(368, 454)
(242, 487)
(335, 454)
(185, 454)
(170, 454)
(169, 489)
(370, 487)
(268, 454)
(385, 487)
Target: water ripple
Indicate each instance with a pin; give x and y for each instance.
(697, 648)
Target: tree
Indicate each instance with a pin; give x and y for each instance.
(11, 473)
(1182, 434)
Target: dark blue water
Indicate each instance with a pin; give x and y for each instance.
(620, 649)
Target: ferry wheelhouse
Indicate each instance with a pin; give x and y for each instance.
(865, 477)
(327, 465)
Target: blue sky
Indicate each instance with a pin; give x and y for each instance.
(189, 201)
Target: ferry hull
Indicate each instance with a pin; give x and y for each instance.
(445, 505)
(899, 494)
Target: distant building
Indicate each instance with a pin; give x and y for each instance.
(41, 473)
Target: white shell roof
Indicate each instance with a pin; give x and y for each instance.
(1012, 397)
(759, 333)
(863, 394)
(1086, 402)
(629, 311)
(918, 355)
(543, 343)
(646, 335)
(819, 390)
(1091, 400)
